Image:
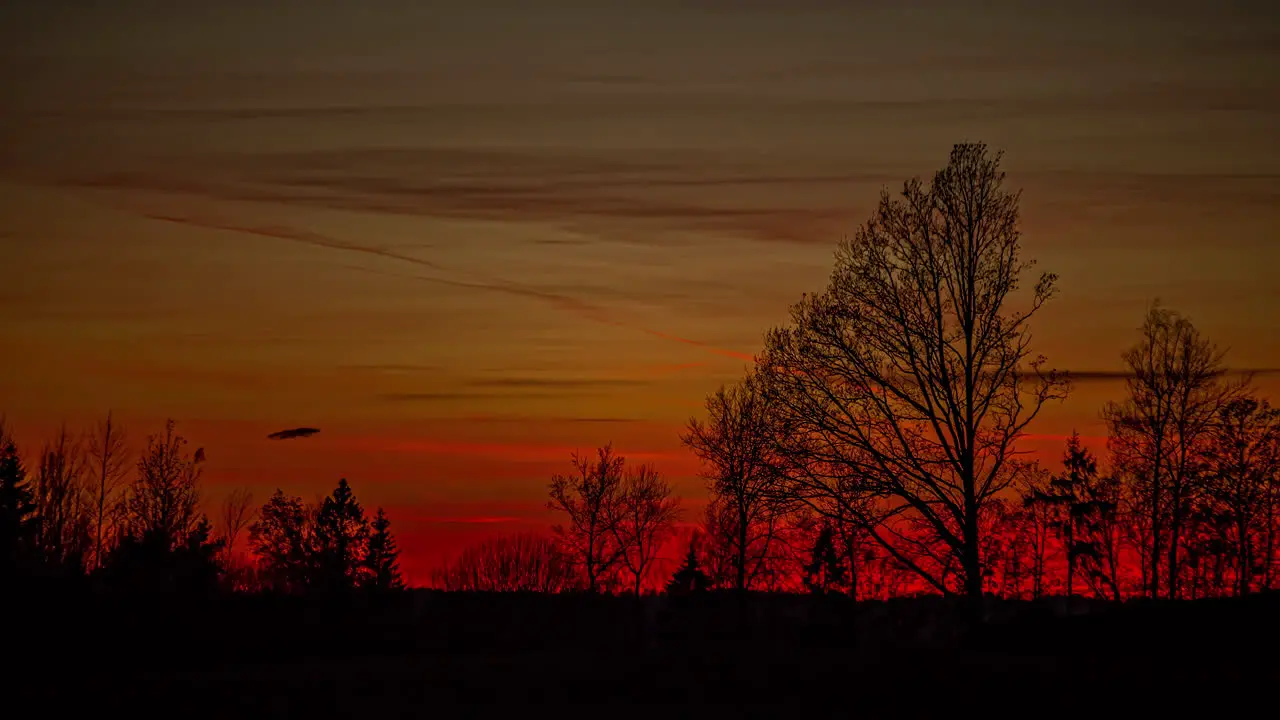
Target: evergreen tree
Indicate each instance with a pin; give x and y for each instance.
(341, 536)
(381, 566)
(689, 578)
(824, 572)
(19, 522)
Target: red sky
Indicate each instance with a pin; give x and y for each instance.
(465, 238)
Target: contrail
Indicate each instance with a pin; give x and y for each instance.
(483, 282)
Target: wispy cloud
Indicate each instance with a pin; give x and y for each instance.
(570, 383)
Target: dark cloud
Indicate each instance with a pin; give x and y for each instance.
(1107, 376)
(294, 433)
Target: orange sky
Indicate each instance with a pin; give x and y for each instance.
(464, 239)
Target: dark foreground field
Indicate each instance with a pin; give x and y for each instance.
(452, 656)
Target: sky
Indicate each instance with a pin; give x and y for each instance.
(468, 238)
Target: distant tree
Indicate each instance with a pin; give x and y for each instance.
(1159, 431)
(910, 379)
(237, 513)
(1040, 516)
(19, 523)
(381, 564)
(515, 563)
(689, 578)
(735, 446)
(108, 461)
(1243, 458)
(645, 517)
(826, 571)
(1068, 503)
(591, 498)
(164, 499)
(341, 535)
(62, 500)
(282, 540)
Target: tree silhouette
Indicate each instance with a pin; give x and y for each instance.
(645, 516)
(62, 501)
(19, 524)
(381, 564)
(164, 499)
(591, 497)
(1159, 430)
(911, 378)
(689, 577)
(281, 539)
(826, 571)
(734, 445)
(108, 460)
(517, 563)
(341, 534)
(1243, 460)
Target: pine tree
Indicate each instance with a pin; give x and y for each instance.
(381, 566)
(18, 520)
(824, 572)
(689, 578)
(341, 536)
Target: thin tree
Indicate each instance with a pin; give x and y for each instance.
(1158, 432)
(108, 460)
(911, 378)
(590, 497)
(734, 444)
(645, 517)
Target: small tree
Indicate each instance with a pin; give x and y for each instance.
(689, 578)
(645, 518)
(381, 564)
(515, 563)
(66, 522)
(591, 497)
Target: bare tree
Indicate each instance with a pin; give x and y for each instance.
(164, 499)
(62, 504)
(1244, 460)
(237, 513)
(590, 496)
(1158, 432)
(646, 513)
(734, 445)
(911, 378)
(109, 460)
(515, 563)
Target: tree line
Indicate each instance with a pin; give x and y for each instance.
(873, 449)
(89, 512)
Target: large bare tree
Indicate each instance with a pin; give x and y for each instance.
(1159, 431)
(911, 378)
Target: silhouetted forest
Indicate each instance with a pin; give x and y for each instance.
(868, 499)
